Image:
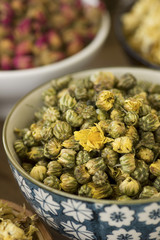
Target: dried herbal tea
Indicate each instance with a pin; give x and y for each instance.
(96, 136)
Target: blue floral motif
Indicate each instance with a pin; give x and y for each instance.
(77, 210)
(155, 235)
(116, 216)
(151, 214)
(122, 234)
(46, 217)
(79, 231)
(46, 201)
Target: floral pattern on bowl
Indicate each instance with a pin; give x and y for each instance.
(114, 221)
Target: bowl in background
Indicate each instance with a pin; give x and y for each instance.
(133, 55)
(41, 233)
(14, 84)
(71, 215)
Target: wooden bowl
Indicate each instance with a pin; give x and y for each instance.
(42, 233)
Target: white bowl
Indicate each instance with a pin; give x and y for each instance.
(16, 83)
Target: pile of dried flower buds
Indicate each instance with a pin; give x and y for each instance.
(96, 136)
(39, 32)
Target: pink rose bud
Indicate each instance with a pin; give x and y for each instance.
(54, 39)
(68, 12)
(41, 41)
(6, 13)
(7, 46)
(6, 63)
(24, 47)
(57, 56)
(75, 46)
(23, 62)
(24, 27)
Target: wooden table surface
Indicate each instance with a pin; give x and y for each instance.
(111, 55)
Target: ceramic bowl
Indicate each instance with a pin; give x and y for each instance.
(74, 216)
(42, 233)
(134, 56)
(14, 84)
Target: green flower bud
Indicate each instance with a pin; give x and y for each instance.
(49, 97)
(71, 143)
(92, 190)
(150, 122)
(127, 81)
(116, 129)
(117, 115)
(42, 162)
(145, 154)
(141, 173)
(101, 115)
(81, 174)
(68, 183)
(131, 118)
(123, 198)
(52, 148)
(127, 162)
(67, 158)
(110, 156)
(82, 157)
(129, 187)
(155, 168)
(38, 173)
(52, 181)
(132, 105)
(95, 164)
(62, 130)
(100, 178)
(27, 166)
(156, 183)
(51, 114)
(148, 192)
(154, 100)
(132, 133)
(144, 110)
(157, 135)
(103, 80)
(105, 100)
(54, 168)
(20, 148)
(73, 118)
(36, 153)
(88, 112)
(81, 93)
(61, 83)
(66, 102)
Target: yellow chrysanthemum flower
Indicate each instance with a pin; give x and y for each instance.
(92, 138)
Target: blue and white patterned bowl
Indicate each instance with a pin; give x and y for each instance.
(79, 217)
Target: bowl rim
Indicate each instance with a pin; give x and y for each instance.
(98, 40)
(120, 36)
(17, 166)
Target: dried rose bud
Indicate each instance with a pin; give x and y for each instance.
(6, 62)
(69, 12)
(7, 46)
(6, 13)
(23, 62)
(54, 39)
(23, 28)
(74, 46)
(24, 47)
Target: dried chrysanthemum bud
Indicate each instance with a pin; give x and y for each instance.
(67, 158)
(127, 162)
(62, 130)
(66, 102)
(148, 192)
(38, 173)
(132, 133)
(42, 162)
(52, 148)
(27, 166)
(20, 148)
(54, 168)
(36, 153)
(92, 138)
(52, 181)
(105, 100)
(144, 110)
(131, 118)
(116, 129)
(154, 100)
(95, 164)
(156, 183)
(36, 129)
(150, 122)
(49, 97)
(101, 115)
(141, 172)
(129, 187)
(71, 143)
(81, 174)
(132, 105)
(88, 123)
(127, 81)
(123, 198)
(100, 178)
(157, 135)
(110, 156)
(80, 93)
(145, 154)
(74, 119)
(103, 80)
(154, 168)
(122, 145)
(51, 114)
(92, 190)
(89, 112)
(117, 115)
(82, 157)
(104, 124)
(61, 83)
(68, 183)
